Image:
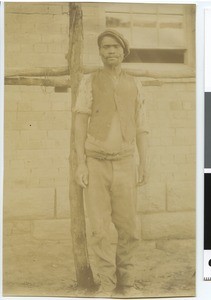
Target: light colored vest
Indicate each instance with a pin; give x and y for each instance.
(107, 98)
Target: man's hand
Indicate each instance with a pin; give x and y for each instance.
(82, 175)
(142, 176)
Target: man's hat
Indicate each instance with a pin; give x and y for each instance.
(117, 36)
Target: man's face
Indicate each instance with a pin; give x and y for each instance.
(111, 52)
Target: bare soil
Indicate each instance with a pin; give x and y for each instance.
(46, 268)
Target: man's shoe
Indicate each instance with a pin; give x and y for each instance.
(103, 293)
(126, 292)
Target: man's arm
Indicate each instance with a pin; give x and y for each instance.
(142, 146)
(142, 136)
(82, 109)
(81, 125)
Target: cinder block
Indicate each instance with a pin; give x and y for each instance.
(59, 134)
(37, 60)
(32, 203)
(165, 158)
(155, 132)
(16, 174)
(180, 158)
(65, 8)
(36, 163)
(56, 229)
(28, 19)
(55, 38)
(11, 102)
(63, 124)
(40, 48)
(189, 105)
(163, 104)
(32, 92)
(188, 95)
(10, 115)
(10, 124)
(21, 227)
(178, 123)
(183, 149)
(55, 48)
(61, 181)
(41, 104)
(185, 172)
(10, 183)
(55, 144)
(60, 162)
(61, 105)
(7, 228)
(10, 153)
(13, 7)
(180, 115)
(191, 115)
(166, 140)
(46, 182)
(24, 105)
(175, 105)
(33, 134)
(30, 144)
(11, 47)
(64, 172)
(11, 143)
(181, 196)
(185, 136)
(158, 117)
(11, 91)
(12, 27)
(55, 9)
(154, 141)
(177, 225)
(152, 197)
(191, 158)
(46, 153)
(62, 202)
(44, 173)
(30, 116)
(17, 164)
(158, 174)
(22, 120)
(191, 87)
(50, 144)
(61, 97)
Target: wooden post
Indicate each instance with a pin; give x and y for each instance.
(83, 271)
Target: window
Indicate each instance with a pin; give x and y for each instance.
(157, 33)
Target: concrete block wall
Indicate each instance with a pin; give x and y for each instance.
(36, 159)
(167, 203)
(37, 124)
(37, 128)
(36, 34)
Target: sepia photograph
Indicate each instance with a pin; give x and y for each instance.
(99, 150)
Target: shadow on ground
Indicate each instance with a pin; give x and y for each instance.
(46, 268)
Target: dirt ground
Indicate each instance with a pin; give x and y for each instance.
(45, 268)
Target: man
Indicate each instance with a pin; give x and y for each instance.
(110, 122)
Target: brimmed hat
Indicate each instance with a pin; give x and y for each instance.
(117, 36)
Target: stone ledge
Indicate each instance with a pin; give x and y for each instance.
(56, 229)
(168, 225)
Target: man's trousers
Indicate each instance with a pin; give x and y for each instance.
(111, 197)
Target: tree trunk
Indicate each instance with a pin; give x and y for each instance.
(31, 81)
(78, 230)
